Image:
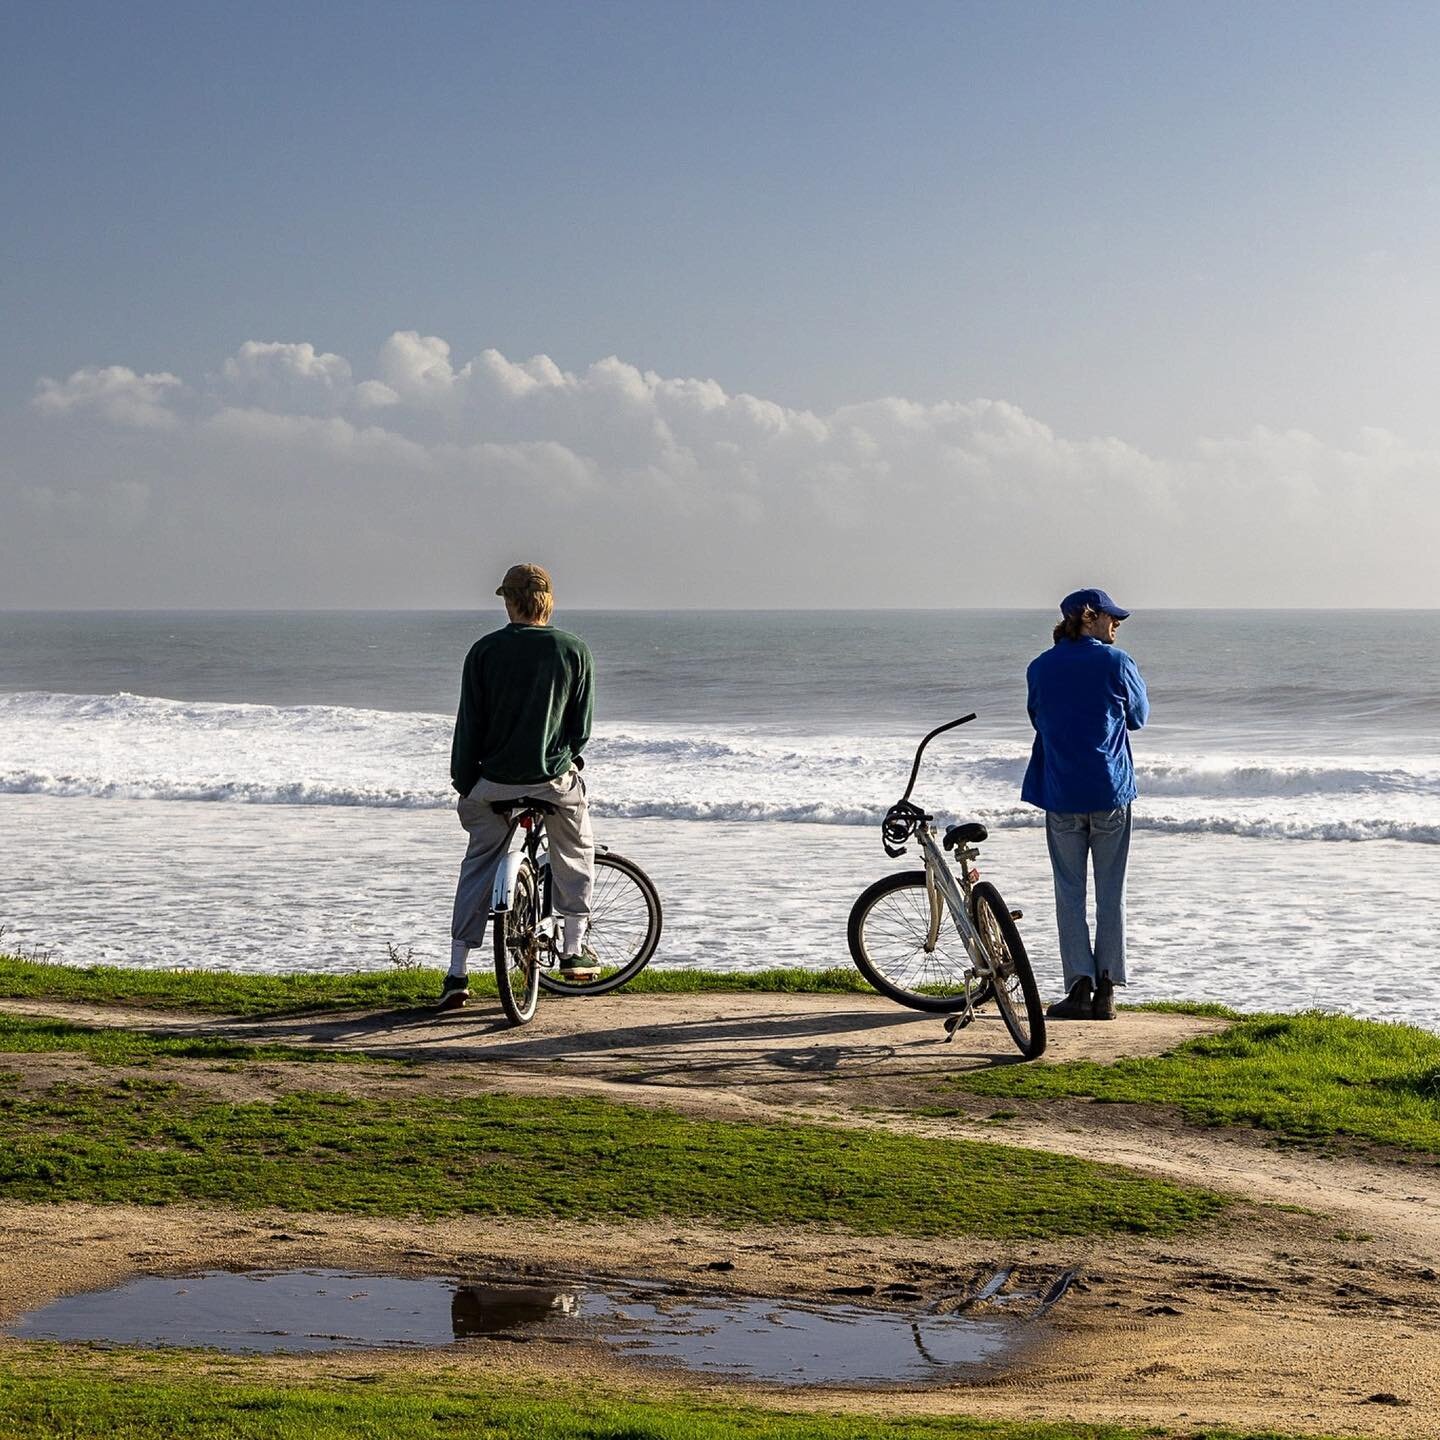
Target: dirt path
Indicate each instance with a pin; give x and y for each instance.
(1276, 1318)
(763, 1038)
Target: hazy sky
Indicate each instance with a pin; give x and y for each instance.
(779, 303)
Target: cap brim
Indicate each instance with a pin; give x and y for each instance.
(1119, 614)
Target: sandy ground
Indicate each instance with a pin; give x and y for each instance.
(1295, 1318)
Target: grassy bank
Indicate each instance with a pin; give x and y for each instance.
(139, 1142)
(1306, 1077)
(224, 993)
(91, 1402)
(24, 1035)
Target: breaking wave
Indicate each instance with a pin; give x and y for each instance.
(134, 747)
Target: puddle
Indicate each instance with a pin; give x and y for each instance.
(752, 1338)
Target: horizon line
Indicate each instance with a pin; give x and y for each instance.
(694, 609)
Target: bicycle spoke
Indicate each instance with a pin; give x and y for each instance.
(623, 927)
(896, 930)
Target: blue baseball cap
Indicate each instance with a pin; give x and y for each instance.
(1077, 600)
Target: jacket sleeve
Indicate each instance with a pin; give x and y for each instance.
(465, 747)
(580, 711)
(1137, 702)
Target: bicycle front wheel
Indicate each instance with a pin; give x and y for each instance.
(889, 934)
(1017, 997)
(517, 950)
(625, 921)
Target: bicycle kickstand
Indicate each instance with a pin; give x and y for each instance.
(961, 1019)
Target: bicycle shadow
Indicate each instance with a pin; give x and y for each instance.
(656, 1051)
(527, 1043)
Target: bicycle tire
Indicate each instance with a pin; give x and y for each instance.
(625, 924)
(517, 951)
(1017, 997)
(889, 923)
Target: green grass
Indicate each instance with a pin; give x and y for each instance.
(1306, 1077)
(23, 1035)
(121, 1406)
(221, 992)
(136, 1141)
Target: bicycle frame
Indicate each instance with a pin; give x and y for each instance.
(941, 883)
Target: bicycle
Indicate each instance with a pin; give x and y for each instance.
(895, 929)
(625, 917)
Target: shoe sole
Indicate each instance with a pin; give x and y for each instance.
(458, 1001)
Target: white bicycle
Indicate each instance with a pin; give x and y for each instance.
(901, 945)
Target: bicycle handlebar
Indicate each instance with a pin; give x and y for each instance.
(939, 730)
(903, 817)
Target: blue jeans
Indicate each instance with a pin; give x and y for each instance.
(1101, 836)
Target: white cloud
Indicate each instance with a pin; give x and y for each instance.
(292, 436)
(285, 376)
(115, 393)
(375, 395)
(416, 367)
(672, 490)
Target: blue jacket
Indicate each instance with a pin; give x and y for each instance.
(1085, 698)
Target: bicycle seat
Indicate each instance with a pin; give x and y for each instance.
(525, 802)
(972, 832)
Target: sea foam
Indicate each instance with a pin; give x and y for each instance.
(125, 746)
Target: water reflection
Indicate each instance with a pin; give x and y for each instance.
(745, 1336)
(479, 1310)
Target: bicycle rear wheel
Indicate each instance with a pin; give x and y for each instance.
(889, 929)
(517, 949)
(1017, 997)
(625, 920)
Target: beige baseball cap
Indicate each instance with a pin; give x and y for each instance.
(525, 580)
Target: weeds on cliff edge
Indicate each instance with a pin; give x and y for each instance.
(403, 986)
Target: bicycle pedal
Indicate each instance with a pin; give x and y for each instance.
(1017, 914)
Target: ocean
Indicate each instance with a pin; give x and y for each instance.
(270, 791)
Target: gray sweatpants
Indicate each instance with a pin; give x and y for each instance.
(572, 850)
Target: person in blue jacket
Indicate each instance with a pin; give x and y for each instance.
(1085, 697)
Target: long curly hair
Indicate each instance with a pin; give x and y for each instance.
(1072, 626)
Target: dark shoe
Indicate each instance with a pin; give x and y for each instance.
(580, 968)
(1077, 1005)
(454, 992)
(1104, 1007)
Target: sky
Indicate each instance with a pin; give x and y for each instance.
(719, 303)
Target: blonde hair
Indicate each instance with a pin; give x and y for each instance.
(531, 607)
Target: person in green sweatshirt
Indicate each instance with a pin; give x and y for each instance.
(526, 702)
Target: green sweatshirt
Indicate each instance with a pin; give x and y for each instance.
(526, 700)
